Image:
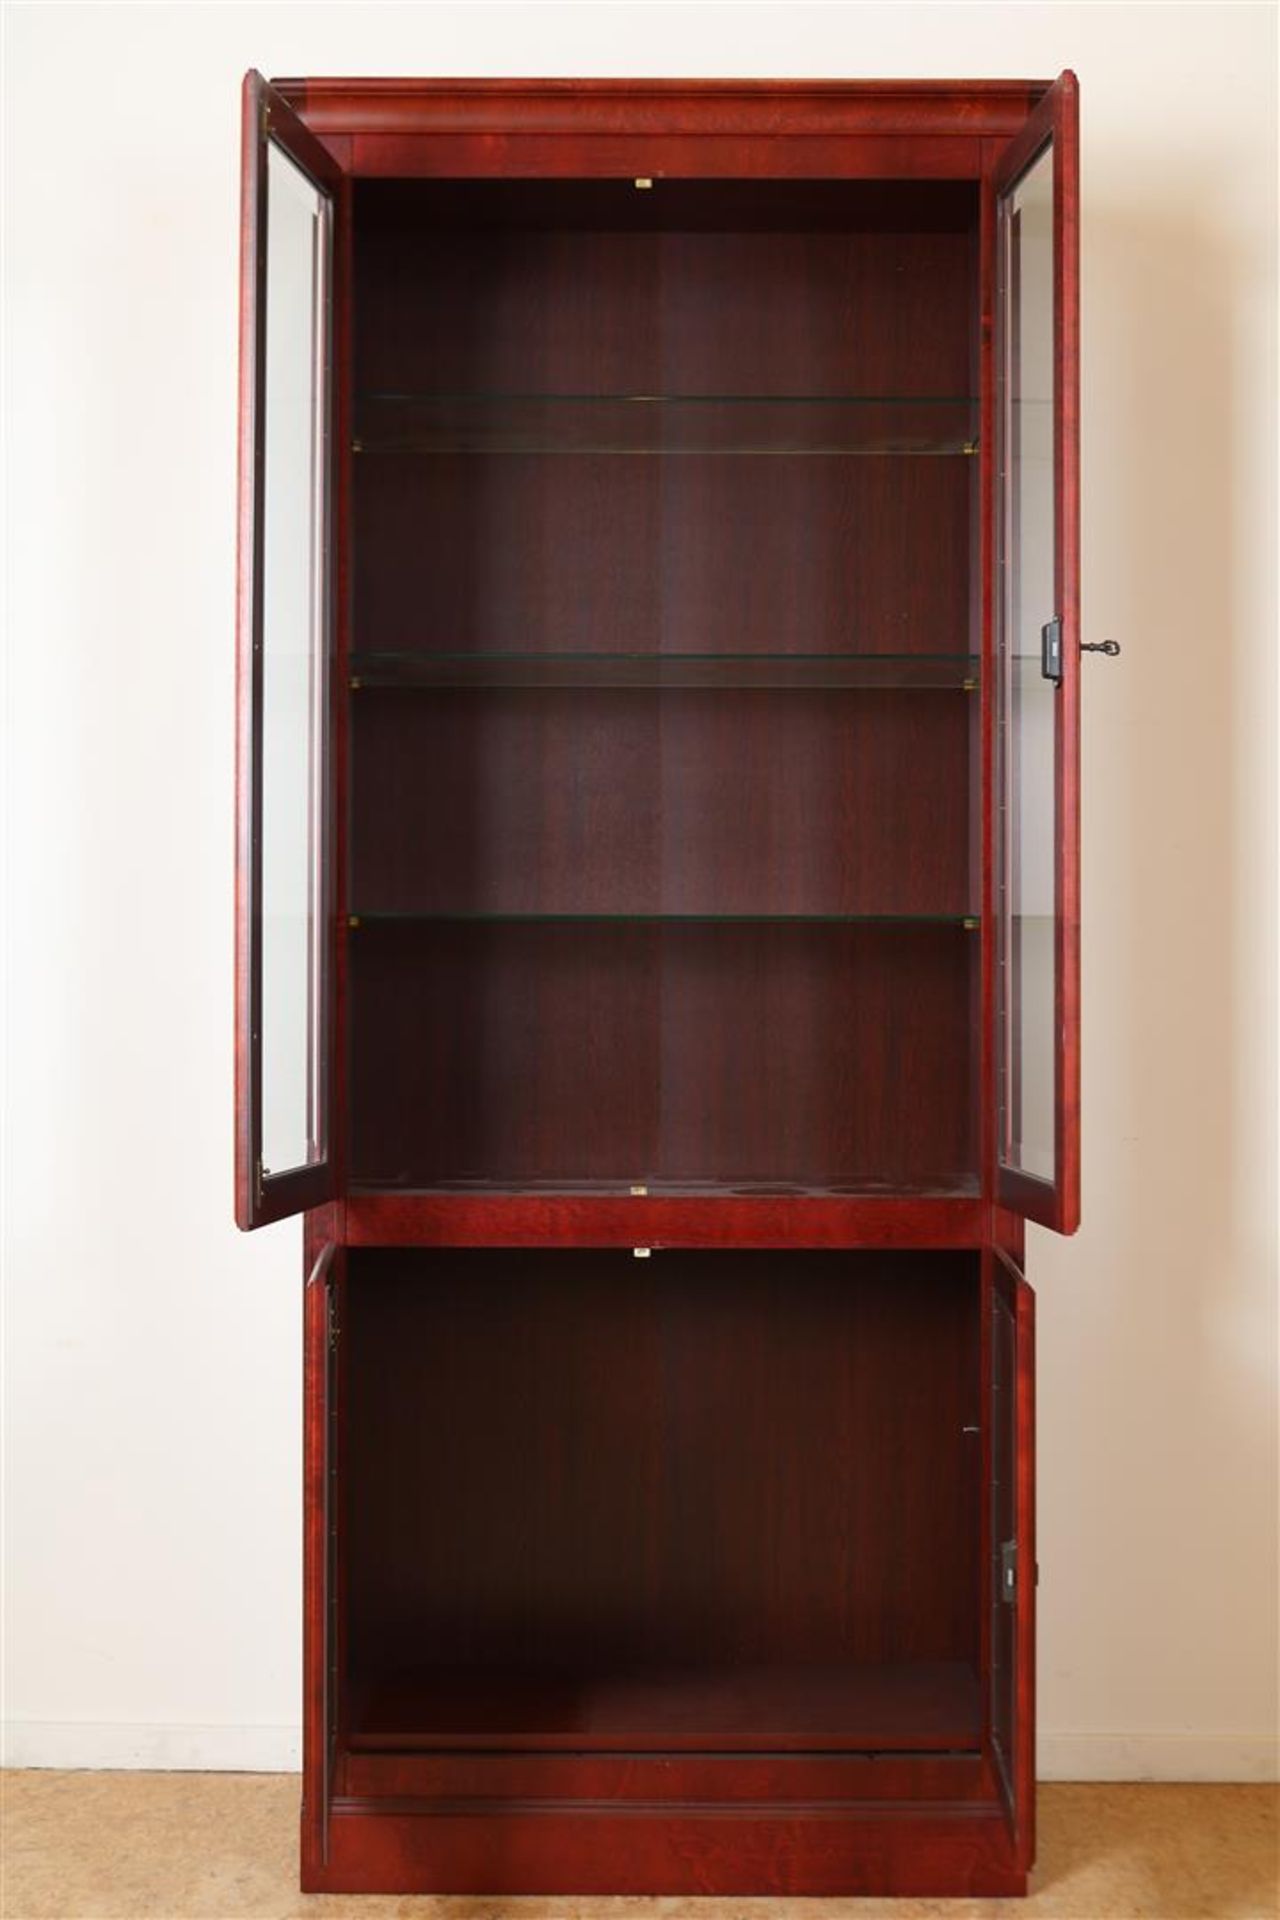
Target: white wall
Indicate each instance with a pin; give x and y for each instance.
(153, 1511)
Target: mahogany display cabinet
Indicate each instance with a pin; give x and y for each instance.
(657, 958)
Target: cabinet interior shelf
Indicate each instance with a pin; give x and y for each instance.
(968, 922)
(666, 423)
(705, 671)
(927, 1706)
(938, 1186)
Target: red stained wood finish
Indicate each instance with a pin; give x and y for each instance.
(772, 109)
(632, 1054)
(879, 1707)
(833, 1847)
(706, 1778)
(1056, 120)
(632, 803)
(631, 1592)
(681, 1574)
(642, 1040)
(1024, 1752)
(258, 1199)
(319, 1653)
(567, 1220)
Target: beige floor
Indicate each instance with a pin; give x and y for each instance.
(177, 1846)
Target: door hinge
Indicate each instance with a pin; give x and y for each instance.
(333, 1318)
(1009, 1572)
(1051, 650)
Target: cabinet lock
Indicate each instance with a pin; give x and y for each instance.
(1009, 1572)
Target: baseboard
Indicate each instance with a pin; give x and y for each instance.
(164, 1749)
(263, 1749)
(1157, 1756)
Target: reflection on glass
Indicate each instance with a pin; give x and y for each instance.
(1027, 700)
(706, 671)
(413, 917)
(294, 642)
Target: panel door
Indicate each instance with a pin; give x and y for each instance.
(1011, 1331)
(285, 620)
(322, 1305)
(1037, 632)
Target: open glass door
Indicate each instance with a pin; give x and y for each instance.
(284, 993)
(1037, 666)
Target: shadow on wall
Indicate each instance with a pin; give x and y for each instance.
(1165, 1322)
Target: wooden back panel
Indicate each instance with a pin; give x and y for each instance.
(579, 1461)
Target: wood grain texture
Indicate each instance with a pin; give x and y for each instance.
(777, 110)
(1012, 1314)
(870, 1707)
(674, 156)
(691, 1220)
(1056, 120)
(511, 1054)
(722, 1056)
(587, 801)
(630, 1503)
(727, 1778)
(555, 290)
(1024, 1757)
(585, 1501)
(582, 287)
(595, 1847)
(546, 553)
(1001, 1430)
(985, 1009)
(324, 1261)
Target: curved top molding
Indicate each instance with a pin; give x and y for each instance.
(754, 108)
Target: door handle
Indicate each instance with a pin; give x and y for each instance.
(1110, 647)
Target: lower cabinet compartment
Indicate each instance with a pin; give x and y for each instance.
(660, 1575)
(700, 1501)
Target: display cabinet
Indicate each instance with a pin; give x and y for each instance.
(657, 958)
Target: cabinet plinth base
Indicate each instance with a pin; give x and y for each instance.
(548, 1847)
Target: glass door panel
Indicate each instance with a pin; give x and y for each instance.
(1036, 658)
(285, 664)
(294, 652)
(1027, 697)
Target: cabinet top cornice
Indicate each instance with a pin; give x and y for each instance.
(785, 108)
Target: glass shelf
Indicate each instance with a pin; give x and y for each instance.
(484, 916)
(941, 1186)
(673, 670)
(672, 423)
